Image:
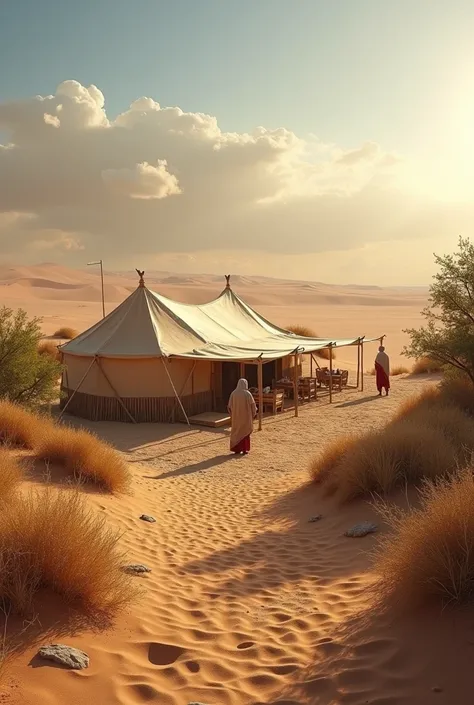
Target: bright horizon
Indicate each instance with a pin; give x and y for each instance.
(322, 142)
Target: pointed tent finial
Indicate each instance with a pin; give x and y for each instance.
(140, 274)
(227, 281)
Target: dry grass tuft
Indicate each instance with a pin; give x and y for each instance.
(430, 552)
(49, 347)
(52, 539)
(418, 402)
(324, 464)
(398, 370)
(426, 365)
(85, 456)
(66, 332)
(20, 427)
(460, 393)
(307, 332)
(11, 474)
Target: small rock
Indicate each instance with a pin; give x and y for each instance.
(437, 689)
(146, 517)
(136, 568)
(317, 517)
(66, 656)
(362, 529)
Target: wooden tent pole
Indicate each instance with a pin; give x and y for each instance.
(116, 394)
(260, 394)
(76, 389)
(330, 373)
(358, 363)
(362, 365)
(242, 370)
(295, 384)
(311, 364)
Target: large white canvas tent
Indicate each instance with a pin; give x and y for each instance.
(152, 357)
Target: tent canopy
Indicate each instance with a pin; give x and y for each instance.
(148, 325)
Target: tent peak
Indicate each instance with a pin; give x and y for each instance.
(227, 281)
(141, 282)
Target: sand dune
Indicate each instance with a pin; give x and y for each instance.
(248, 603)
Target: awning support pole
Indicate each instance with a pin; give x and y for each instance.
(74, 392)
(358, 363)
(175, 392)
(362, 364)
(295, 384)
(260, 394)
(330, 373)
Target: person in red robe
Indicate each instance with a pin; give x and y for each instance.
(242, 410)
(382, 371)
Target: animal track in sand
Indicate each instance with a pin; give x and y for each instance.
(246, 645)
(164, 654)
(193, 666)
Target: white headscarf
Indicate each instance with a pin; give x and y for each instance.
(242, 409)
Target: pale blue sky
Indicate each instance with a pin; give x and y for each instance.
(346, 70)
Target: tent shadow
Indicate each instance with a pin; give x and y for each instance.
(357, 402)
(196, 467)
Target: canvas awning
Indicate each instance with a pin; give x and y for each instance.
(148, 325)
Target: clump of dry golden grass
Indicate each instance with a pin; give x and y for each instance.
(85, 456)
(66, 332)
(307, 332)
(428, 438)
(430, 551)
(398, 370)
(425, 365)
(459, 392)
(20, 427)
(11, 474)
(53, 539)
(49, 347)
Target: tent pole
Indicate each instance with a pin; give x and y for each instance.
(260, 394)
(362, 365)
(74, 392)
(242, 370)
(330, 374)
(175, 392)
(358, 363)
(132, 419)
(311, 364)
(295, 384)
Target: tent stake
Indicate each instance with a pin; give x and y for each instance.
(74, 392)
(260, 394)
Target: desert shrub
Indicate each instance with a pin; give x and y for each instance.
(448, 336)
(307, 332)
(425, 366)
(66, 332)
(11, 475)
(85, 456)
(334, 453)
(371, 372)
(459, 393)
(418, 402)
(398, 370)
(430, 551)
(49, 347)
(25, 375)
(53, 539)
(384, 460)
(20, 427)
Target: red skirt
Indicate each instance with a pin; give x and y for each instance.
(242, 446)
(381, 378)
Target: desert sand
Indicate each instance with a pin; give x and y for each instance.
(248, 602)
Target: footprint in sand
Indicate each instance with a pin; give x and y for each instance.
(164, 654)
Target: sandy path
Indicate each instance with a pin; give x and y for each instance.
(248, 602)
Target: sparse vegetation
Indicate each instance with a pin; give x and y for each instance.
(52, 539)
(26, 376)
(429, 437)
(430, 551)
(85, 456)
(425, 366)
(307, 332)
(398, 370)
(66, 333)
(448, 337)
(49, 347)
(20, 427)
